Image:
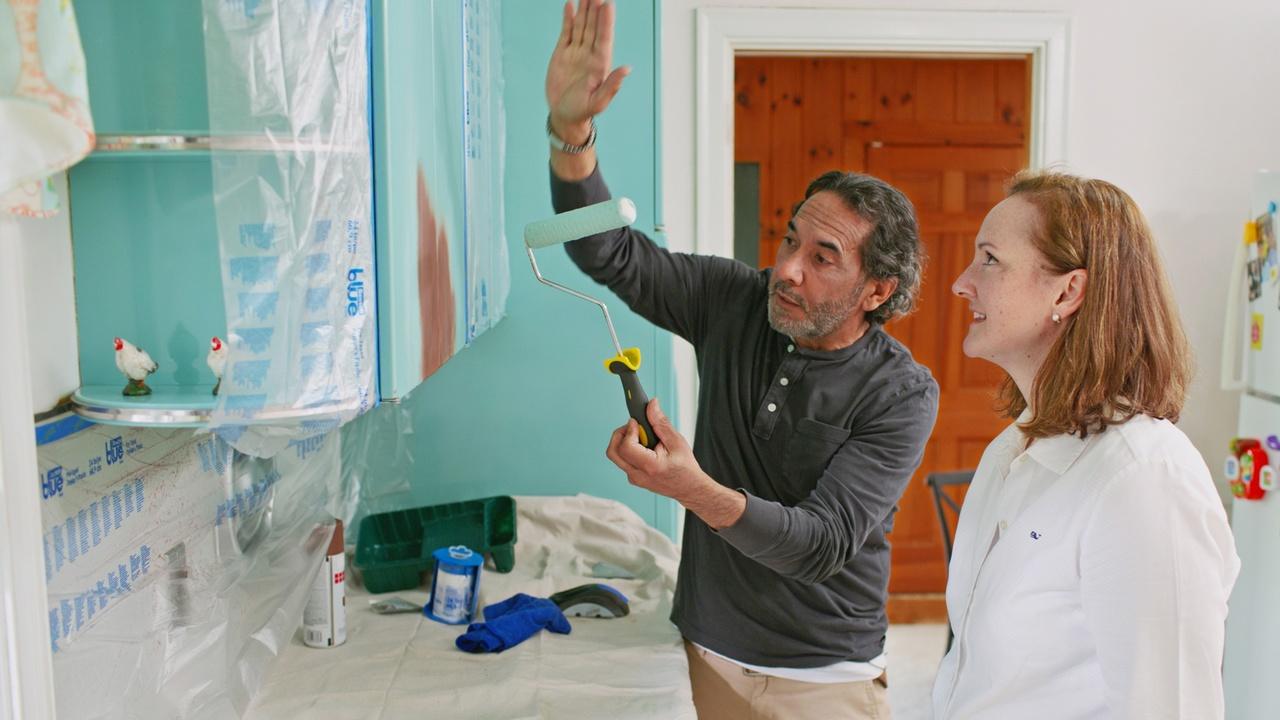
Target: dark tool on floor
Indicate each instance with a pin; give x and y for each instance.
(593, 600)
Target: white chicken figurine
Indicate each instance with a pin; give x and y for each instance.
(136, 365)
(217, 360)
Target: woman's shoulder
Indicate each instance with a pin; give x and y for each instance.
(1148, 439)
(1145, 450)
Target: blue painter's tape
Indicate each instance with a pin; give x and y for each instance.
(253, 339)
(245, 405)
(320, 426)
(259, 306)
(230, 433)
(254, 270)
(317, 298)
(316, 264)
(315, 333)
(318, 364)
(64, 426)
(261, 236)
(250, 373)
(322, 231)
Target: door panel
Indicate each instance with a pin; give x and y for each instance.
(947, 132)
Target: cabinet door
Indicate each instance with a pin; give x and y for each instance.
(228, 205)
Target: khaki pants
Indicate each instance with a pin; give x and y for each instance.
(725, 691)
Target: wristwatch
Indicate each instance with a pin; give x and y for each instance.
(565, 147)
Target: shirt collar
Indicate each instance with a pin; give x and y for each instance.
(1056, 453)
(843, 353)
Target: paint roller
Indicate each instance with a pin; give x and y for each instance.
(575, 224)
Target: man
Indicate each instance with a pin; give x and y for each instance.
(811, 419)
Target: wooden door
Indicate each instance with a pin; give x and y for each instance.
(948, 133)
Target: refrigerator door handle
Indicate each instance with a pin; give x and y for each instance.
(1232, 344)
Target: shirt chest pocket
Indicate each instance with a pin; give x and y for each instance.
(809, 450)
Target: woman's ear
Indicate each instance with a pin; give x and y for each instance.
(1071, 296)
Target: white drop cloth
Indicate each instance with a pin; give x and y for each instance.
(406, 666)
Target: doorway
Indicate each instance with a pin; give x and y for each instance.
(948, 132)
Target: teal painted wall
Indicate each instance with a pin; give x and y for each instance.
(137, 221)
(135, 226)
(129, 91)
(528, 408)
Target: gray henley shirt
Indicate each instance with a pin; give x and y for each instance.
(822, 443)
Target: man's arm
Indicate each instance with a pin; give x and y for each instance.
(670, 469)
(813, 540)
(580, 84)
(860, 487)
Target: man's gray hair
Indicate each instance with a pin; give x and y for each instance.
(892, 249)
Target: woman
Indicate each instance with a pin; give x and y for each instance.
(1093, 559)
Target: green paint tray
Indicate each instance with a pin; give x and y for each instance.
(394, 548)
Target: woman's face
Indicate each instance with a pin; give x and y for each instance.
(1011, 292)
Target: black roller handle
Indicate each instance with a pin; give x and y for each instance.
(637, 401)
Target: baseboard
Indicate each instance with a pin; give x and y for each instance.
(917, 608)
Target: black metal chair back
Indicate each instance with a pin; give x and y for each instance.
(941, 502)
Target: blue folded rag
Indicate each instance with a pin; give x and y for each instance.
(511, 622)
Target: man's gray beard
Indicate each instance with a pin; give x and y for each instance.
(819, 321)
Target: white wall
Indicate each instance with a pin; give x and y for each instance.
(50, 304)
(1175, 102)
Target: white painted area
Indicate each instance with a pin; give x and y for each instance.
(25, 655)
(1253, 625)
(1172, 101)
(50, 302)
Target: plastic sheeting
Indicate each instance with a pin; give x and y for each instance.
(288, 87)
(177, 568)
(368, 442)
(406, 666)
(488, 269)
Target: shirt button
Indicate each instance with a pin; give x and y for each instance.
(772, 407)
(1003, 526)
(791, 348)
(783, 382)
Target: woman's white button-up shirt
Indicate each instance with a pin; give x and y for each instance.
(1089, 579)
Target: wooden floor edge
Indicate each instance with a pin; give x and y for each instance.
(907, 608)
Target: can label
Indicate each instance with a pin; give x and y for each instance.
(452, 601)
(324, 619)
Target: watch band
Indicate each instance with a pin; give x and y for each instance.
(565, 147)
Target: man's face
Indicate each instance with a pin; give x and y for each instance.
(817, 288)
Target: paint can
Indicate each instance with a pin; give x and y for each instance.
(324, 620)
(455, 586)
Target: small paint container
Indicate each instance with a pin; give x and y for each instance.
(324, 619)
(456, 585)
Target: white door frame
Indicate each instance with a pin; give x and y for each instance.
(723, 31)
(26, 657)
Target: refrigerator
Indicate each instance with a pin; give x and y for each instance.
(1251, 365)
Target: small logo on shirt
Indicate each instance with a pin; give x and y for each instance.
(1035, 535)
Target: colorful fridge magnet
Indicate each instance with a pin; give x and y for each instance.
(1267, 245)
(1231, 472)
(1255, 332)
(1252, 460)
(1267, 478)
(1255, 279)
(136, 365)
(217, 360)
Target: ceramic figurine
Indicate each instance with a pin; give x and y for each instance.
(136, 365)
(217, 360)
